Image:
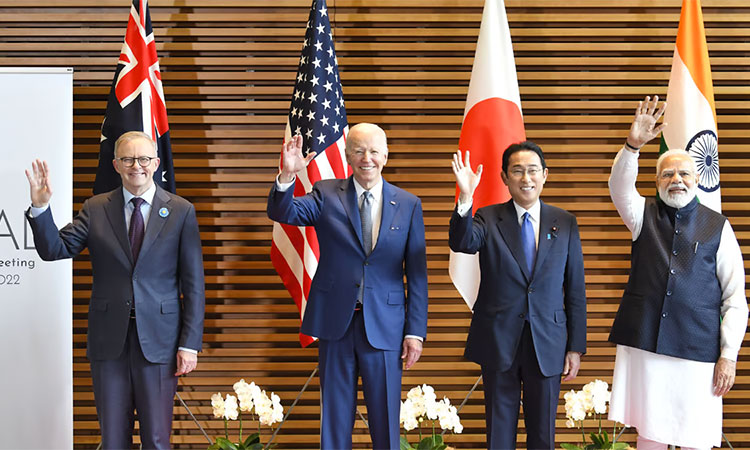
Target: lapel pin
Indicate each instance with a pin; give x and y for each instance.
(392, 202)
(163, 212)
(552, 234)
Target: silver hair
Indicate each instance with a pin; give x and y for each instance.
(674, 152)
(131, 136)
(371, 127)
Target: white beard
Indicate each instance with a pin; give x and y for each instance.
(677, 200)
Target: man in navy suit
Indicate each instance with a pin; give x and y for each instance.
(529, 322)
(145, 251)
(371, 235)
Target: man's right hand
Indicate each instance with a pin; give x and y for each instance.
(292, 160)
(644, 126)
(39, 183)
(466, 180)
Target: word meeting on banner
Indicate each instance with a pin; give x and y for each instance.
(17, 255)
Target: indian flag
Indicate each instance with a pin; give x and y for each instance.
(691, 114)
(492, 121)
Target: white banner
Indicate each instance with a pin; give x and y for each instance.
(36, 341)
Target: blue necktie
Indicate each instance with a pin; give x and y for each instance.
(529, 241)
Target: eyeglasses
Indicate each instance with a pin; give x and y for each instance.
(519, 173)
(143, 161)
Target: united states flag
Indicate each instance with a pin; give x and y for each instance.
(136, 102)
(317, 113)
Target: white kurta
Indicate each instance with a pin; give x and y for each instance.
(668, 399)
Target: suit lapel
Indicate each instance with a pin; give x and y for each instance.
(160, 211)
(511, 232)
(390, 206)
(547, 226)
(115, 212)
(348, 197)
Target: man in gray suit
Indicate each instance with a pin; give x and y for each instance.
(145, 322)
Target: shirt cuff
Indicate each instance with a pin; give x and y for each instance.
(730, 354)
(189, 350)
(283, 187)
(463, 208)
(419, 338)
(35, 212)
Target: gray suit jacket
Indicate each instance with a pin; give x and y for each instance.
(170, 263)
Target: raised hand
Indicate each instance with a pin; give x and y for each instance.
(466, 180)
(292, 160)
(644, 126)
(39, 183)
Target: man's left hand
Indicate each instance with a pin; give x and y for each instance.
(412, 352)
(724, 371)
(186, 362)
(572, 364)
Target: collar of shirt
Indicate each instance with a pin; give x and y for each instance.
(148, 195)
(534, 213)
(376, 191)
(377, 206)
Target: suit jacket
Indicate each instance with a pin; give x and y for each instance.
(389, 312)
(170, 263)
(552, 298)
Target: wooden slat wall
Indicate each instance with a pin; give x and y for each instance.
(228, 69)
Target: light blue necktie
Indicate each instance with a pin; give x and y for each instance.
(529, 241)
(365, 214)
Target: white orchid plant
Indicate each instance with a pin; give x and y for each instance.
(250, 399)
(590, 401)
(421, 405)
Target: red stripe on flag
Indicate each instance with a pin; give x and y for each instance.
(292, 285)
(334, 159)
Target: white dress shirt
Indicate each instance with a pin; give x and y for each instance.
(534, 212)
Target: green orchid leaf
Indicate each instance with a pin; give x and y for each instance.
(570, 447)
(405, 445)
(226, 444)
(426, 444)
(252, 439)
(597, 440)
(619, 446)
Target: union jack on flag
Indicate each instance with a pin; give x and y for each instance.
(136, 102)
(317, 113)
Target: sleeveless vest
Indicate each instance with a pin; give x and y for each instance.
(672, 302)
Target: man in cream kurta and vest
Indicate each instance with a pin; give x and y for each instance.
(684, 313)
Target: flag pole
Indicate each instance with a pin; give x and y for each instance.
(294, 403)
(187, 408)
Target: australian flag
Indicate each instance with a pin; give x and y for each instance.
(136, 102)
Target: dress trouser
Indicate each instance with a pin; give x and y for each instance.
(502, 395)
(128, 383)
(341, 362)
